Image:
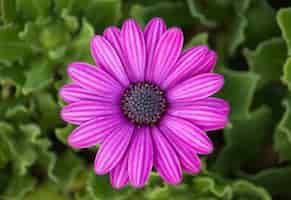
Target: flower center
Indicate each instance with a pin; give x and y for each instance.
(143, 103)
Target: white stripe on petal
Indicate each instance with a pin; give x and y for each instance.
(133, 44)
(196, 88)
(113, 149)
(140, 157)
(166, 160)
(188, 133)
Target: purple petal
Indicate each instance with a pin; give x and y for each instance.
(196, 88)
(113, 35)
(119, 175)
(82, 111)
(133, 43)
(189, 159)
(187, 133)
(113, 149)
(140, 160)
(93, 132)
(72, 93)
(167, 53)
(106, 56)
(166, 160)
(208, 64)
(206, 117)
(152, 32)
(219, 104)
(186, 66)
(95, 80)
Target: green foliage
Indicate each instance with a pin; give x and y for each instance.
(39, 38)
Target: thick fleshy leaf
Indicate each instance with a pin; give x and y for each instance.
(261, 10)
(93, 79)
(246, 190)
(93, 132)
(166, 160)
(276, 180)
(283, 132)
(152, 33)
(187, 133)
(82, 111)
(189, 64)
(283, 19)
(206, 117)
(119, 175)
(39, 76)
(147, 10)
(207, 185)
(239, 100)
(99, 187)
(168, 51)
(134, 48)
(9, 41)
(113, 149)
(267, 60)
(196, 88)
(198, 39)
(251, 131)
(106, 56)
(140, 159)
(8, 13)
(32, 9)
(287, 73)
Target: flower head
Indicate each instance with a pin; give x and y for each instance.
(147, 103)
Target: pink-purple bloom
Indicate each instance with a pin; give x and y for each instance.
(147, 103)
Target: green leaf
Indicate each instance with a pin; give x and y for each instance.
(231, 36)
(283, 19)
(247, 190)
(163, 9)
(242, 134)
(11, 47)
(8, 10)
(18, 187)
(275, 180)
(49, 110)
(63, 133)
(5, 153)
(80, 46)
(44, 192)
(54, 35)
(283, 133)
(18, 113)
(239, 90)
(34, 8)
(267, 60)
(106, 191)
(14, 74)
(70, 173)
(166, 192)
(208, 13)
(208, 186)
(262, 24)
(200, 38)
(109, 12)
(38, 77)
(287, 73)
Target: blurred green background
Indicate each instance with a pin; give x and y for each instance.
(38, 38)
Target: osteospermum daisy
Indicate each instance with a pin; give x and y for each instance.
(147, 103)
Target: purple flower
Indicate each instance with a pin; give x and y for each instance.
(147, 103)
